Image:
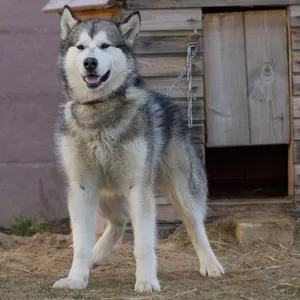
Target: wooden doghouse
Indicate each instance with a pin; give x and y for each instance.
(246, 87)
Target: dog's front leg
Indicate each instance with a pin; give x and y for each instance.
(83, 202)
(142, 211)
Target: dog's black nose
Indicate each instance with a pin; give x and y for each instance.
(90, 63)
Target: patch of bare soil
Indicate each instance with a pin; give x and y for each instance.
(262, 272)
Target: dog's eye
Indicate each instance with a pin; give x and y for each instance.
(80, 47)
(104, 46)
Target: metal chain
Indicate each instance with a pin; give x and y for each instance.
(192, 49)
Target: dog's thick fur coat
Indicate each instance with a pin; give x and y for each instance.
(117, 139)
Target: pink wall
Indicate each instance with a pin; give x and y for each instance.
(30, 91)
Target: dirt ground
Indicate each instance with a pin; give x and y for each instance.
(262, 272)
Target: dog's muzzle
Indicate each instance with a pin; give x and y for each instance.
(94, 80)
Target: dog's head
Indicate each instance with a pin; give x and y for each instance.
(96, 55)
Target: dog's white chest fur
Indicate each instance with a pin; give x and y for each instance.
(101, 149)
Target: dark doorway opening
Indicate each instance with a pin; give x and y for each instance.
(247, 172)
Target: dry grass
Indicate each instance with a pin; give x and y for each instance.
(262, 272)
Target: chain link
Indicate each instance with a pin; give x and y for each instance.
(192, 49)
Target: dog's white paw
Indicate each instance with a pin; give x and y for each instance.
(147, 286)
(211, 268)
(70, 283)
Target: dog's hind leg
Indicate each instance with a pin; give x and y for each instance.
(105, 244)
(114, 210)
(182, 179)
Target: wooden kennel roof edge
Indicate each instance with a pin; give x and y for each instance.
(157, 4)
(56, 6)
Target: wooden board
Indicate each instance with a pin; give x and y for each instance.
(295, 15)
(296, 107)
(109, 13)
(296, 61)
(296, 38)
(267, 73)
(57, 5)
(153, 44)
(166, 213)
(291, 176)
(297, 174)
(225, 80)
(296, 85)
(171, 32)
(162, 85)
(164, 19)
(158, 66)
(297, 192)
(296, 124)
(138, 4)
(226, 204)
(297, 151)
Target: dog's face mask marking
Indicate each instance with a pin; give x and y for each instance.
(95, 52)
(93, 59)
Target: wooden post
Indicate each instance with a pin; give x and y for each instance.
(291, 179)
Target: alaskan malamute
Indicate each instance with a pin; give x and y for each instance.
(117, 140)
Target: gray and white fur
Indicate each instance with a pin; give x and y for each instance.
(117, 140)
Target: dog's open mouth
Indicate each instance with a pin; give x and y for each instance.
(94, 81)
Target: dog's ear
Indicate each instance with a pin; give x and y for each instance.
(67, 22)
(130, 27)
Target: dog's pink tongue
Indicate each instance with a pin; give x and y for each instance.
(92, 79)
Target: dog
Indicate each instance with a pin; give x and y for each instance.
(117, 141)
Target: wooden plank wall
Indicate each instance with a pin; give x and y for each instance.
(161, 50)
(294, 13)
